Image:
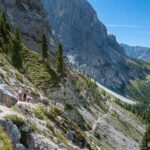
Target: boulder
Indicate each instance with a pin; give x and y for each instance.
(12, 130)
(7, 95)
(36, 141)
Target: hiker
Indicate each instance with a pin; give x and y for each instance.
(28, 98)
(24, 96)
(20, 95)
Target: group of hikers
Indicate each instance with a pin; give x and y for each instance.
(24, 96)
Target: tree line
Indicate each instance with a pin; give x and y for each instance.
(11, 45)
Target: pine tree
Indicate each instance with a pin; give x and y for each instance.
(16, 48)
(59, 60)
(4, 32)
(44, 48)
(146, 140)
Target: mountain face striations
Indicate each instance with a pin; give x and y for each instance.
(86, 41)
(28, 16)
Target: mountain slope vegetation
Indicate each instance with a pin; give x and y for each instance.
(67, 112)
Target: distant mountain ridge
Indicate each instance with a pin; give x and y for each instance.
(137, 52)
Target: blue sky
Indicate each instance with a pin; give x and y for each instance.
(129, 20)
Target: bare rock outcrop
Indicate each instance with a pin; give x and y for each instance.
(29, 17)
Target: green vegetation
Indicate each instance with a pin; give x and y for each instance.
(39, 113)
(53, 113)
(140, 109)
(143, 111)
(44, 48)
(91, 84)
(16, 120)
(4, 33)
(146, 140)
(59, 60)
(36, 71)
(97, 96)
(16, 48)
(60, 136)
(6, 143)
(25, 60)
(10, 43)
(97, 135)
(139, 89)
(68, 107)
(78, 86)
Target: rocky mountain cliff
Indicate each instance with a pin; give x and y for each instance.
(86, 42)
(137, 52)
(29, 17)
(85, 38)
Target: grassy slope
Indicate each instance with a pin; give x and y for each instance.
(138, 88)
(5, 140)
(35, 70)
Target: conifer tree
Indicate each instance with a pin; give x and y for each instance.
(59, 60)
(16, 48)
(44, 48)
(4, 32)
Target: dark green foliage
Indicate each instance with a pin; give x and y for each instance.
(68, 107)
(16, 120)
(91, 84)
(97, 135)
(146, 140)
(139, 90)
(59, 60)
(51, 71)
(140, 109)
(23, 59)
(97, 96)
(78, 86)
(4, 32)
(16, 48)
(36, 71)
(44, 48)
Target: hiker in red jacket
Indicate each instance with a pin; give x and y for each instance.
(20, 95)
(28, 98)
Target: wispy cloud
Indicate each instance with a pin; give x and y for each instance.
(142, 32)
(128, 26)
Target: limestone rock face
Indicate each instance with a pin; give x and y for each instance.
(28, 16)
(86, 41)
(7, 95)
(40, 142)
